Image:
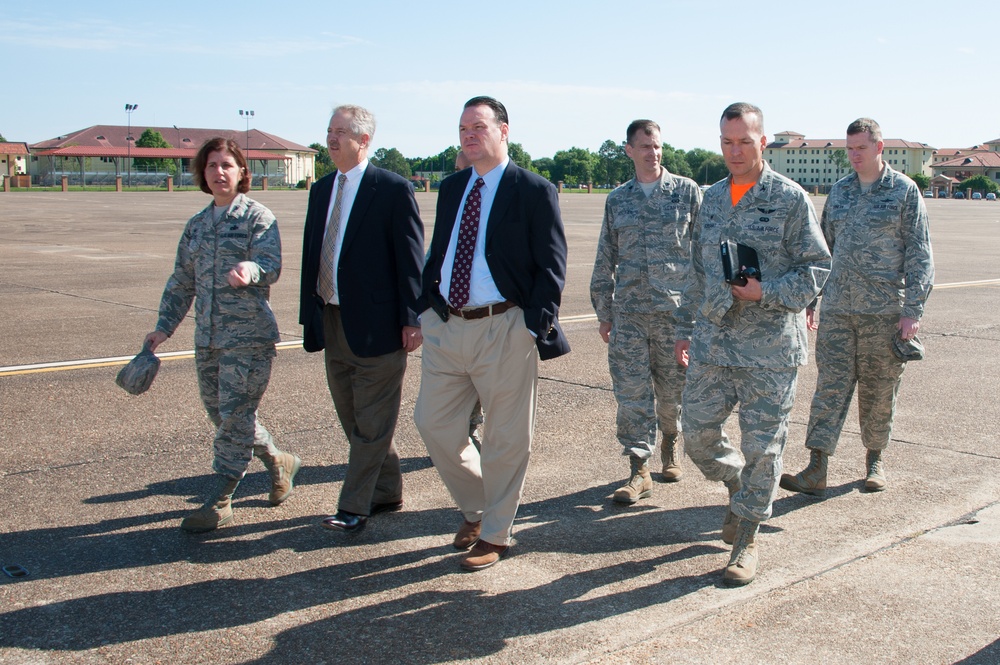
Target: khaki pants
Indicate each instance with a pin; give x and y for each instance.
(494, 358)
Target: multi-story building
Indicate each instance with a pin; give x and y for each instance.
(962, 163)
(818, 163)
(100, 153)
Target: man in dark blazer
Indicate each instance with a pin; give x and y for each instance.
(492, 283)
(361, 262)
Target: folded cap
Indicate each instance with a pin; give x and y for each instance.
(907, 349)
(137, 376)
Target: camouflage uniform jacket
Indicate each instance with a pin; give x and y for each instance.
(225, 317)
(644, 250)
(882, 262)
(778, 220)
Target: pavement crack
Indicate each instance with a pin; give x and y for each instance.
(87, 298)
(578, 384)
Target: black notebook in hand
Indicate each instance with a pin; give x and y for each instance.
(739, 262)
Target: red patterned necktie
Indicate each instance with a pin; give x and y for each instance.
(461, 273)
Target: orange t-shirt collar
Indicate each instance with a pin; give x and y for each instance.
(737, 191)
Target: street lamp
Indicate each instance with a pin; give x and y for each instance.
(247, 115)
(128, 139)
(180, 161)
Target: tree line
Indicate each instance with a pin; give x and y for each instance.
(608, 167)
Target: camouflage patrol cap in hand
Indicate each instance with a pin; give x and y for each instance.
(137, 376)
(907, 349)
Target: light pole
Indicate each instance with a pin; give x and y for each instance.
(128, 139)
(180, 161)
(247, 115)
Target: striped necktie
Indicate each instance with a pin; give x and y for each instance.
(324, 285)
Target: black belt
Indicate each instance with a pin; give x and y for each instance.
(481, 312)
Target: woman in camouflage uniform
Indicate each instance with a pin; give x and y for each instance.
(228, 256)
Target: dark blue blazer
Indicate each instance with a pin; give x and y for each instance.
(378, 276)
(525, 249)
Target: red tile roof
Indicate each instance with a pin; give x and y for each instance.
(136, 153)
(976, 160)
(841, 144)
(13, 148)
(112, 136)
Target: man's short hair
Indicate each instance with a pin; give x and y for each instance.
(362, 120)
(862, 125)
(498, 109)
(219, 144)
(741, 110)
(636, 126)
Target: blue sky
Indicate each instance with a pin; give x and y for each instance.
(570, 74)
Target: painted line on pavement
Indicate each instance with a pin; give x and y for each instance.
(17, 370)
(955, 285)
(108, 362)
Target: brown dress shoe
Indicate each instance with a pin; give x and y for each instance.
(483, 555)
(467, 535)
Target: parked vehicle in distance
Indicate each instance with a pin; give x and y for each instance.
(928, 194)
(991, 196)
(959, 195)
(976, 196)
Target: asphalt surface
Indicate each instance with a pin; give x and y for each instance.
(94, 483)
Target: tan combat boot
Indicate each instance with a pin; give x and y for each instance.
(742, 568)
(218, 510)
(812, 479)
(639, 486)
(729, 524)
(670, 456)
(282, 468)
(875, 482)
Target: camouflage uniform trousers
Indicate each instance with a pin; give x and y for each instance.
(646, 378)
(765, 397)
(232, 383)
(854, 349)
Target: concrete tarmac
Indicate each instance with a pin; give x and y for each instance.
(94, 483)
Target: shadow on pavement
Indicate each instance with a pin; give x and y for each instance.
(429, 622)
(988, 655)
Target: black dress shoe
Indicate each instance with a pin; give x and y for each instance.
(344, 521)
(390, 507)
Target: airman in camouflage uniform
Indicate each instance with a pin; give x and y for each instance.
(747, 341)
(235, 335)
(875, 222)
(643, 255)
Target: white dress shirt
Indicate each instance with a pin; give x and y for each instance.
(482, 289)
(350, 192)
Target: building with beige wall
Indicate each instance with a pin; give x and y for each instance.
(13, 158)
(101, 153)
(811, 162)
(978, 160)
